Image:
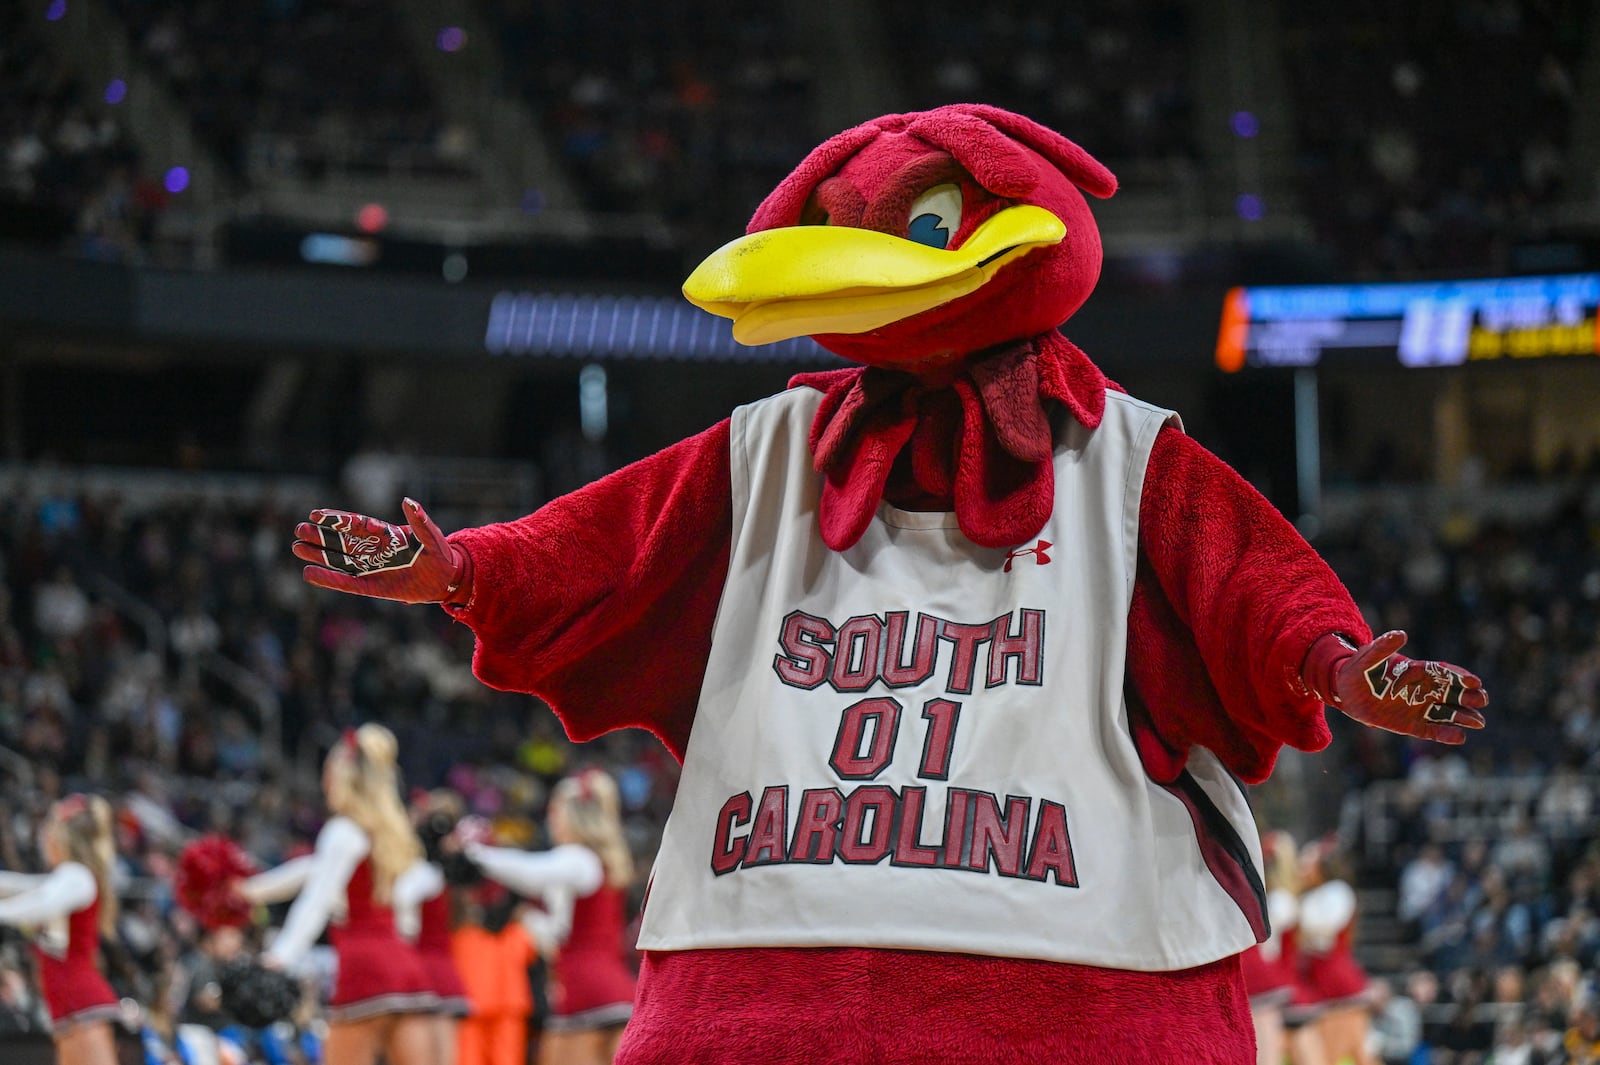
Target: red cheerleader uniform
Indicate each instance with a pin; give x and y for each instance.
(70, 980)
(433, 947)
(1269, 967)
(1328, 976)
(594, 986)
(379, 972)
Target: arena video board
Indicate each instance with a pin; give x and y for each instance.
(1433, 323)
(602, 326)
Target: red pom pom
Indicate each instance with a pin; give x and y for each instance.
(204, 882)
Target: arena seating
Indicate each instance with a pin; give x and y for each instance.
(69, 176)
(1480, 873)
(691, 112)
(1480, 876)
(296, 88)
(1414, 154)
(1115, 77)
(1411, 153)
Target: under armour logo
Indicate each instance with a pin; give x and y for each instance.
(1037, 551)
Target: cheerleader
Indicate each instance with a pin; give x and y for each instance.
(591, 864)
(1269, 967)
(71, 907)
(422, 908)
(381, 999)
(1329, 973)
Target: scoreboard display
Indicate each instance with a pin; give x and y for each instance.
(1432, 323)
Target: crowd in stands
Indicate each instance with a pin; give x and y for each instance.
(1429, 133)
(691, 113)
(110, 619)
(1492, 850)
(1429, 137)
(298, 88)
(86, 694)
(1113, 76)
(69, 174)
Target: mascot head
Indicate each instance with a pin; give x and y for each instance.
(914, 240)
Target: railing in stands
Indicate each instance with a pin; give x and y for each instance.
(247, 684)
(138, 488)
(1477, 808)
(17, 765)
(252, 687)
(136, 610)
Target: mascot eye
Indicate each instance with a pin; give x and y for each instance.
(935, 215)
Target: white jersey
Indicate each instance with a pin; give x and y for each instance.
(921, 743)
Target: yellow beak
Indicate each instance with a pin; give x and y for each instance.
(806, 280)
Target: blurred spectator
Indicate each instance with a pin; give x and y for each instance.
(690, 112)
(374, 478)
(1522, 854)
(1514, 1046)
(1582, 1042)
(60, 609)
(1422, 882)
(1396, 1024)
(493, 953)
(1567, 802)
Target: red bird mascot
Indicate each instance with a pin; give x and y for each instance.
(962, 649)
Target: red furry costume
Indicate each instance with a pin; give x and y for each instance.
(576, 603)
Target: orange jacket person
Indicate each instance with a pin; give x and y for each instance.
(494, 968)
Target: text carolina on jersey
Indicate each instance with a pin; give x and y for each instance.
(1014, 836)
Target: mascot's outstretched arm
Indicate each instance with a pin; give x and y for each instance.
(1237, 624)
(601, 602)
(575, 600)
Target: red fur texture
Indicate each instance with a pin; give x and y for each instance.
(1227, 600)
(885, 1007)
(602, 601)
(978, 441)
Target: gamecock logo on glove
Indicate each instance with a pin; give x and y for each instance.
(410, 563)
(1430, 684)
(360, 545)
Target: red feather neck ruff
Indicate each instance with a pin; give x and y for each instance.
(975, 438)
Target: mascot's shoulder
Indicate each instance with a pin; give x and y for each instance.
(1133, 405)
(770, 412)
(1137, 411)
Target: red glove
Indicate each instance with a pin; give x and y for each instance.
(368, 556)
(1377, 687)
